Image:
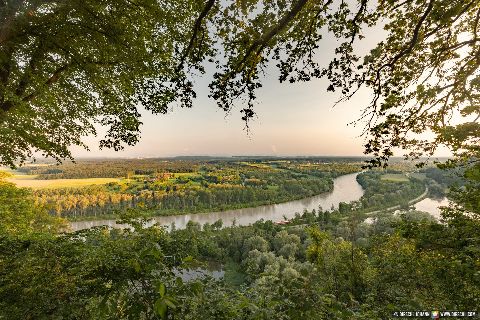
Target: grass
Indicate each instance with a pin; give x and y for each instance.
(395, 177)
(17, 176)
(32, 182)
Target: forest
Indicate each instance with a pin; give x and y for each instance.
(120, 168)
(81, 72)
(217, 186)
(163, 187)
(324, 265)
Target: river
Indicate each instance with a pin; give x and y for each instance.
(345, 189)
(431, 206)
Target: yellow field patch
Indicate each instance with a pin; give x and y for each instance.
(185, 174)
(258, 165)
(31, 182)
(23, 177)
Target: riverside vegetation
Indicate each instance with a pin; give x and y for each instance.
(166, 187)
(77, 68)
(326, 264)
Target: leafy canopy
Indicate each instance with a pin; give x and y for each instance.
(20, 216)
(68, 65)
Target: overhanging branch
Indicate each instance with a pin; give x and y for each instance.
(196, 29)
(260, 43)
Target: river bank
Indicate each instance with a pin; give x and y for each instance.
(345, 189)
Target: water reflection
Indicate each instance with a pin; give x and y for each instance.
(345, 189)
(431, 206)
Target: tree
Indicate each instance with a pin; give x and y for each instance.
(423, 76)
(345, 270)
(20, 217)
(68, 65)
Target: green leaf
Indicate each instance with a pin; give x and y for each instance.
(136, 265)
(162, 290)
(161, 309)
(170, 303)
(187, 259)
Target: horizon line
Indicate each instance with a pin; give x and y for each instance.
(233, 156)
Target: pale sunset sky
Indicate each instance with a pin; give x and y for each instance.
(293, 119)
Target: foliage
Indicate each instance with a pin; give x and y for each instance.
(214, 185)
(423, 75)
(67, 65)
(20, 216)
(130, 274)
(380, 192)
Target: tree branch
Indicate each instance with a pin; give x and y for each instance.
(355, 23)
(53, 78)
(416, 34)
(451, 22)
(265, 38)
(196, 29)
(32, 66)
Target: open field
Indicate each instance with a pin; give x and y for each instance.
(395, 177)
(257, 165)
(31, 182)
(419, 176)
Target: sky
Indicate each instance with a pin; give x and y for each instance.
(292, 120)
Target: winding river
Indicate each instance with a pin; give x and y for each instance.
(345, 189)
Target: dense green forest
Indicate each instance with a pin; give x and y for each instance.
(206, 186)
(324, 265)
(80, 69)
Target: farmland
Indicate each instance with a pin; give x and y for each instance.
(96, 189)
(33, 182)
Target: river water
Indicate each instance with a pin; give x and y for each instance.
(345, 189)
(431, 206)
